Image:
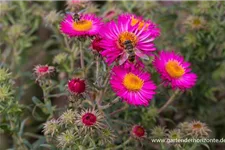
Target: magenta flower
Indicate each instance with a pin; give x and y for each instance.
(115, 34)
(133, 86)
(85, 25)
(174, 70)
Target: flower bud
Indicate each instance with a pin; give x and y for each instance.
(4, 74)
(68, 117)
(60, 58)
(51, 18)
(90, 119)
(5, 92)
(96, 45)
(5, 8)
(138, 132)
(43, 70)
(51, 127)
(76, 86)
(158, 132)
(66, 139)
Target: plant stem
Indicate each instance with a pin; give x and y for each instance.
(109, 104)
(171, 99)
(97, 67)
(123, 144)
(81, 58)
(119, 110)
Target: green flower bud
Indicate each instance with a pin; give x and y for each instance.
(51, 127)
(60, 58)
(158, 132)
(66, 138)
(5, 92)
(4, 75)
(68, 117)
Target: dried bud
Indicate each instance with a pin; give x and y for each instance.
(76, 86)
(138, 132)
(68, 117)
(158, 132)
(43, 70)
(51, 127)
(75, 5)
(198, 129)
(196, 22)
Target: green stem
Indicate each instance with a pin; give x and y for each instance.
(172, 98)
(123, 144)
(81, 58)
(97, 67)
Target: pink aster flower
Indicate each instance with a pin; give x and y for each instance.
(116, 34)
(174, 70)
(140, 23)
(133, 86)
(81, 25)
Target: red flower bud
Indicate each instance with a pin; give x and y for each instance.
(76, 86)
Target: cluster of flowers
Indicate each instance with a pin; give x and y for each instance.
(88, 122)
(123, 44)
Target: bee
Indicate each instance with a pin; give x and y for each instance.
(130, 50)
(76, 17)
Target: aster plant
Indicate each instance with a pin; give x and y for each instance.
(114, 77)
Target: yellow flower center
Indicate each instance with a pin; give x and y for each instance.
(197, 22)
(82, 25)
(132, 82)
(141, 23)
(174, 69)
(134, 21)
(197, 126)
(124, 36)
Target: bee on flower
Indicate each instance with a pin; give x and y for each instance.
(78, 25)
(117, 34)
